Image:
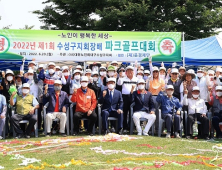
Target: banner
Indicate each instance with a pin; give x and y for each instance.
(65, 45)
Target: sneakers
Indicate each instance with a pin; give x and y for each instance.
(145, 133)
(113, 130)
(54, 132)
(125, 131)
(63, 135)
(47, 135)
(1, 137)
(177, 135)
(168, 135)
(139, 133)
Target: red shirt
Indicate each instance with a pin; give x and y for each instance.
(57, 104)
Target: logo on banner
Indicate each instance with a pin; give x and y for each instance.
(167, 46)
(4, 44)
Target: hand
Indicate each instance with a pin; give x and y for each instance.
(209, 88)
(2, 116)
(1, 87)
(3, 74)
(70, 67)
(185, 84)
(64, 109)
(46, 87)
(132, 89)
(162, 64)
(32, 111)
(89, 113)
(178, 112)
(185, 91)
(13, 94)
(152, 112)
(169, 71)
(104, 93)
(91, 80)
(162, 89)
(21, 73)
(26, 75)
(75, 90)
(119, 111)
(203, 115)
(217, 74)
(150, 58)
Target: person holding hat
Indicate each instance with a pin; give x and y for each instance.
(175, 82)
(144, 107)
(128, 84)
(85, 100)
(66, 79)
(25, 105)
(216, 103)
(3, 109)
(112, 105)
(197, 109)
(170, 106)
(58, 104)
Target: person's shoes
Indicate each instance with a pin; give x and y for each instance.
(145, 134)
(63, 135)
(106, 132)
(121, 132)
(27, 136)
(168, 135)
(47, 135)
(125, 131)
(206, 137)
(177, 135)
(139, 133)
(188, 137)
(1, 137)
(90, 134)
(113, 130)
(75, 133)
(19, 136)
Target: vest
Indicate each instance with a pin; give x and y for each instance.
(176, 86)
(24, 105)
(217, 107)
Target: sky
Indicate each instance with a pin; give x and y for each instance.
(18, 13)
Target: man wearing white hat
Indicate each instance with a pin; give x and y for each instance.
(216, 103)
(144, 107)
(85, 100)
(170, 106)
(58, 104)
(197, 109)
(75, 83)
(128, 84)
(112, 105)
(25, 109)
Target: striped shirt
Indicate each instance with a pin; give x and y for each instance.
(127, 84)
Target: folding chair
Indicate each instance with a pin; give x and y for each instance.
(142, 119)
(56, 119)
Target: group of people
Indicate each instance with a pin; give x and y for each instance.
(113, 88)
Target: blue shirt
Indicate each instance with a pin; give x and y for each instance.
(167, 104)
(34, 101)
(2, 102)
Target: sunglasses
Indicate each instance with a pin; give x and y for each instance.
(155, 71)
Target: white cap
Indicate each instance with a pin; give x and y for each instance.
(141, 67)
(155, 69)
(57, 67)
(129, 68)
(146, 72)
(141, 81)
(219, 69)
(111, 79)
(79, 66)
(84, 78)
(41, 65)
(114, 62)
(88, 71)
(31, 71)
(51, 64)
(175, 70)
(163, 68)
(65, 68)
(196, 88)
(58, 82)
(200, 69)
(140, 71)
(169, 87)
(32, 62)
(77, 71)
(8, 71)
(218, 87)
(102, 68)
(211, 72)
(26, 85)
(95, 73)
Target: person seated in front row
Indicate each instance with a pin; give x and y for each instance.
(3, 110)
(58, 104)
(25, 108)
(85, 100)
(196, 109)
(144, 107)
(112, 105)
(170, 104)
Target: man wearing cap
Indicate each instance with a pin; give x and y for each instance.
(58, 71)
(170, 110)
(128, 84)
(112, 72)
(176, 82)
(25, 109)
(197, 109)
(139, 74)
(58, 104)
(85, 100)
(66, 79)
(79, 67)
(146, 75)
(112, 105)
(75, 83)
(94, 85)
(115, 64)
(3, 109)
(121, 72)
(216, 103)
(144, 107)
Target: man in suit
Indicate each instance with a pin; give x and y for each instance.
(112, 105)
(144, 107)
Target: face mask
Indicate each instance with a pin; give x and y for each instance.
(123, 74)
(51, 71)
(195, 96)
(170, 92)
(111, 73)
(26, 91)
(9, 78)
(57, 88)
(102, 73)
(211, 78)
(95, 78)
(141, 87)
(77, 77)
(219, 94)
(30, 77)
(18, 83)
(139, 76)
(199, 75)
(111, 86)
(84, 84)
(145, 78)
(162, 76)
(66, 74)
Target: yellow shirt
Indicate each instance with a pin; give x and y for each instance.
(155, 86)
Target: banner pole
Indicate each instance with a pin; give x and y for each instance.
(183, 51)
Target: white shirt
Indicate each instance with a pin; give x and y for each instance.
(195, 106)
(127, 84)
(112, 91)
(34, 88)
(202, 84)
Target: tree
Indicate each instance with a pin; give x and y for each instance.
(197, 18)
(27, 27)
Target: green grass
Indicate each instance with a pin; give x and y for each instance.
(171, 146)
